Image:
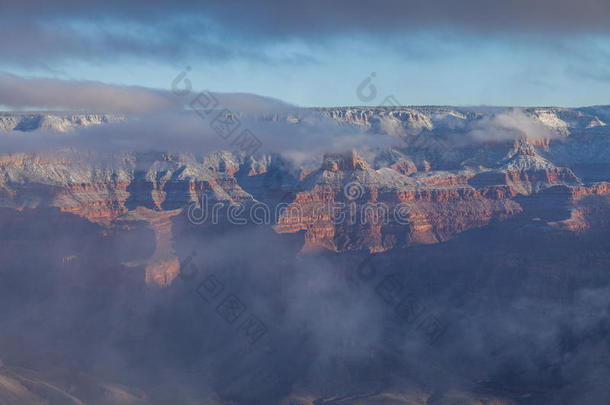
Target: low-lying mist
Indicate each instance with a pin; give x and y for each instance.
(253, 319)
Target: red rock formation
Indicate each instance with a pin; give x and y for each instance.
(163, 266)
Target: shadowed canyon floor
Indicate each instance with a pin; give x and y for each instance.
(449, 268)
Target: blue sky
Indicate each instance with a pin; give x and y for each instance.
(463, 61)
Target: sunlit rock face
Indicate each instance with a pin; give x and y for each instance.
(445, 176)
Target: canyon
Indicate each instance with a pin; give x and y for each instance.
(436, 177)
(495, 220)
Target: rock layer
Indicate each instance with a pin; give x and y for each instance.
(439, 180)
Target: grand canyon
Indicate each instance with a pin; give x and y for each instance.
(435, 255)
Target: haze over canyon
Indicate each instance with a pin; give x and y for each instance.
(284, 255)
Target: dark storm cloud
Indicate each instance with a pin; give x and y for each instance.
(273, 17)
(43, 41)
(37, 32)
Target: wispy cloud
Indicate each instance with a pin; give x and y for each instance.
(508, 125)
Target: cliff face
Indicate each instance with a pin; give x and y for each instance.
(436, 183)
(501, 240)
(377, 210)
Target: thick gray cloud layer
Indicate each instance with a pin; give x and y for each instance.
(38, 33)
(43, 93)
(17, 92)
(314, 17)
